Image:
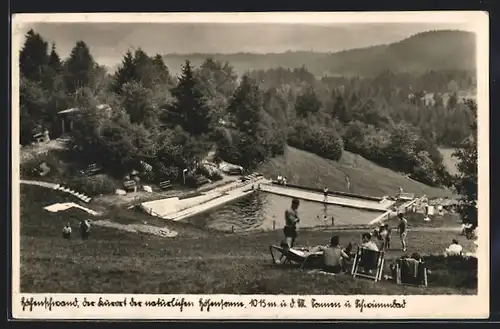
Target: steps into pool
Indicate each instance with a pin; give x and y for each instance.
(81, 196)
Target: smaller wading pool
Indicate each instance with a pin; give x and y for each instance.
(260, 211)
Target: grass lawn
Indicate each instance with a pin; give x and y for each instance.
(449, 161)
(196, 261)
(416, 220)
(307, 169)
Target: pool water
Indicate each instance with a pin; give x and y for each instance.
(265, 211)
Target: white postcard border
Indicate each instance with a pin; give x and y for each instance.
(415, 306)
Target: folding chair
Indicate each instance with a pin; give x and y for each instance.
(368, 264)
(411, 272)
(291, 257)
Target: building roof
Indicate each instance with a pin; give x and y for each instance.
(71, 110)
(75, 109)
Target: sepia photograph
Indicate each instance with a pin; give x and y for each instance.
(249, 154)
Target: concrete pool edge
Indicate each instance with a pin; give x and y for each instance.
(332, 200)
(241, 190)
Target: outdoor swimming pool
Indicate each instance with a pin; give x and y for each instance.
(257, 211)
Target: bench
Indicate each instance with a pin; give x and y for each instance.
(92, 169)
(164, 185)
(130, 185)
(234, 171)
(201, 180)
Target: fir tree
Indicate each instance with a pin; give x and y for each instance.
(189, 109)
(34, 57)
(80, 68)
(54, 60)
(127, 72)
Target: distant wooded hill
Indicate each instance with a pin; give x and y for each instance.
(433, 50)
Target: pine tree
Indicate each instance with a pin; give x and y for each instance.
(54, 60)
(145, 69)
(34, 57)
(163, 74)
(340, 110)
(252, 138)
(80, 68)
(127, 72)
(246, 106)
(307, 103)
(189, 109)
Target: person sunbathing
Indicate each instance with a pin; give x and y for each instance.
(367, 242)
(333, 255)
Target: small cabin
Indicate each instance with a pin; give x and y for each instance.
(66, 118)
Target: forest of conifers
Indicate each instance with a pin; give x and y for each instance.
(396, 119)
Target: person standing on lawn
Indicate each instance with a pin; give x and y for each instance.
(85, 229)
(402, 229)
(291, 220)
(67, 231)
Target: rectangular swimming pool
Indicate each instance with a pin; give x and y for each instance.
(265, 211)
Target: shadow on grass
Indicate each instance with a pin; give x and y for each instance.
(456, 271)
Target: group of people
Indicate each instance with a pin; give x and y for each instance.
(84, 230)
(337, 259)
(334, 255)
(383, 233)
(281, 180)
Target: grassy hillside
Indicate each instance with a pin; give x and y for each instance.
(433, 50)
(114, 261)
(449, 160)
(307, 169)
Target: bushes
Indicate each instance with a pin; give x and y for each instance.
(213, 175)
(163, 172)
(94, 185)
(30, 165)
(315, 138)
(403, 148)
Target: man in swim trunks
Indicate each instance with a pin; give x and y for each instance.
(291, 220)
(403, 230)
(333, 256)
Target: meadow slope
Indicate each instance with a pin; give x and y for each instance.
(114, 261)
(367, 178)
(449, 161)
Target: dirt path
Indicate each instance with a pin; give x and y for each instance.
(38, 183)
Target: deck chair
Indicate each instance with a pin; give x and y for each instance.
(368, 264)
(291, 257)
(411, 272)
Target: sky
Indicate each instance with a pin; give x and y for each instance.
(108, 42)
